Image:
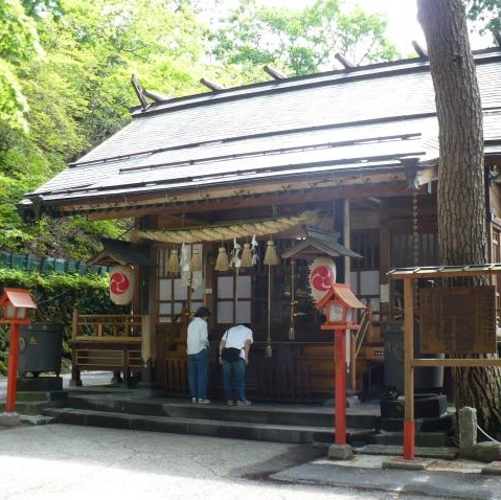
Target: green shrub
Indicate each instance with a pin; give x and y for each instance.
(56, 296)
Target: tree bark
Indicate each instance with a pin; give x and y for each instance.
(462, 226)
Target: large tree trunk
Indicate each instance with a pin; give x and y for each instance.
(462, 230)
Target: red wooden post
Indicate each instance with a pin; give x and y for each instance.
(340, 304)
(10, 404)
(15, 306)
(409, 442)
(340, 386)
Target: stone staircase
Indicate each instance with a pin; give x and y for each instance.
(137, 410)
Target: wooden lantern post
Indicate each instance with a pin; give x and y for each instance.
(340, 305)
(16, 305)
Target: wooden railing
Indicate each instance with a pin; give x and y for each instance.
(106, 342)
(105, 326)
(275, 382)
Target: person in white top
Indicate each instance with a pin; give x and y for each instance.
(239, 338)
(197, 344)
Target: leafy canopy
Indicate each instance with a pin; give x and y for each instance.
(298, 42)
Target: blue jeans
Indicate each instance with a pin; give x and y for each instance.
(236, 370)
(197, 374)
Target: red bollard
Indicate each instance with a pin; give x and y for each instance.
(340, 386)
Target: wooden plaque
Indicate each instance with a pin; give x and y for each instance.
(457, 320)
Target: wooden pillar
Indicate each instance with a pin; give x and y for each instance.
(75, 381)
(409, 423)
(149, 320)
(385, 261)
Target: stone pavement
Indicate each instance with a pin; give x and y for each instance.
(371, 469)
(429, 477)
(455, 479)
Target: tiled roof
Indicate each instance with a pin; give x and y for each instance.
(362, 119)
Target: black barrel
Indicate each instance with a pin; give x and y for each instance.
(40, 348)
(426, 379)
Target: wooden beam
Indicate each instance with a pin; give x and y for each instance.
(177, 220)
(347, 64)
(356, 187)
(211, 85)
(420, 51)
(456, 362)
(264, 199)
(274, 73)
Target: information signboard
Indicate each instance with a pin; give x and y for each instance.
(457, 320)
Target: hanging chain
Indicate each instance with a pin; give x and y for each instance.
(415, 241)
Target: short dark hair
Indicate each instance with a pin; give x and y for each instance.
(202, 312)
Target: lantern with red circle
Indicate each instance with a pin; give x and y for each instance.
(322, 277)
(122, 285)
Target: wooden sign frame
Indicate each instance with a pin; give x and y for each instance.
(409, 275)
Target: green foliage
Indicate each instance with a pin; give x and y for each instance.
(486, 12)
(18, 43)
(299, 41)
(13, 104)
(65, 68)
(78, 95)
(18, 35)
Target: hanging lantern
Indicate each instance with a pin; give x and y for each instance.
(270, 257)
(173, 264)
(322, 277)
(247, 256)
(196, 260)
(122, 284)
(222, 261)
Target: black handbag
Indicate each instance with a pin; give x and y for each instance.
(230, 354)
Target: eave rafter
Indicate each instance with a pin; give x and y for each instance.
(389, 183)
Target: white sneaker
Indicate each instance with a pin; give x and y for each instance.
(203, 401)
(243, 402)
(194, 400)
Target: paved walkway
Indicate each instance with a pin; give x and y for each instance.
(457, 479)
(388, 472)
(59, 461)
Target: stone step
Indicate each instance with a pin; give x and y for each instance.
(204, 427)
(424, 439)
(34, 402)
(439, 453)
(261, 413)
